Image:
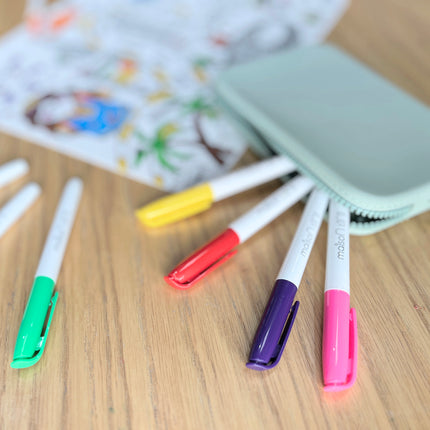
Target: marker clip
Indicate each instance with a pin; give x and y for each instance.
(286, 333)
(21, 362)
(278, 348)
(204, 261)
(352, 356)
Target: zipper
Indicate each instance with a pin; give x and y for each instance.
(360, 217)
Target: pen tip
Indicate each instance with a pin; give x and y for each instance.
(142, 216)
(21, 363)
(256, 366)
(332, 388)
(173, 282)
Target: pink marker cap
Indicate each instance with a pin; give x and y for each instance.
(340, 342)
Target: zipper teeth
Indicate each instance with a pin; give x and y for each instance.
(381, 223)
(376, 215)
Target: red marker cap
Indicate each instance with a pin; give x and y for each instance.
(203, 261)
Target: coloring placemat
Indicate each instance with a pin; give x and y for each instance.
(126, 85)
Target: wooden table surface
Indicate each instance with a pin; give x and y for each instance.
(127, 351)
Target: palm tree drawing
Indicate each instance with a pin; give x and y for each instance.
(159, 145)
(199, 108)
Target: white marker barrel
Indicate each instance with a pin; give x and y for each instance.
(251, 176)
(337, 266)
(58, 236)
(297, 257)
(17, 205)
(271, 207)
(13, 170)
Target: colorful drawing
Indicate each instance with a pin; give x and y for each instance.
(159, 145)
(160, 95)
(125, 84)
(77, 112)
(200, 66)
(118, 68)
(41, 18)
(127, 70)
(199, 108)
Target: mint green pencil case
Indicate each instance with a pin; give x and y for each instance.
(360, 138)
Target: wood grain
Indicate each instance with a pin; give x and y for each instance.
(128, 352)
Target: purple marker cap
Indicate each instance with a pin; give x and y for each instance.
(275, 327)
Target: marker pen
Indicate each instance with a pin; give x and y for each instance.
(31, 338)
(280, 313)
(339, 351)
(219, 250)
(17, 205)
(200, 198)
(12, 170)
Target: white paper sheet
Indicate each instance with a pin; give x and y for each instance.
(125, 85)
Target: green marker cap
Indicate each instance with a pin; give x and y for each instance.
(32, 335)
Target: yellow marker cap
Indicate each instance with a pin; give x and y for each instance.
(176, 206)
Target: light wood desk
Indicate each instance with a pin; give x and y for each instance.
(127, 351)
